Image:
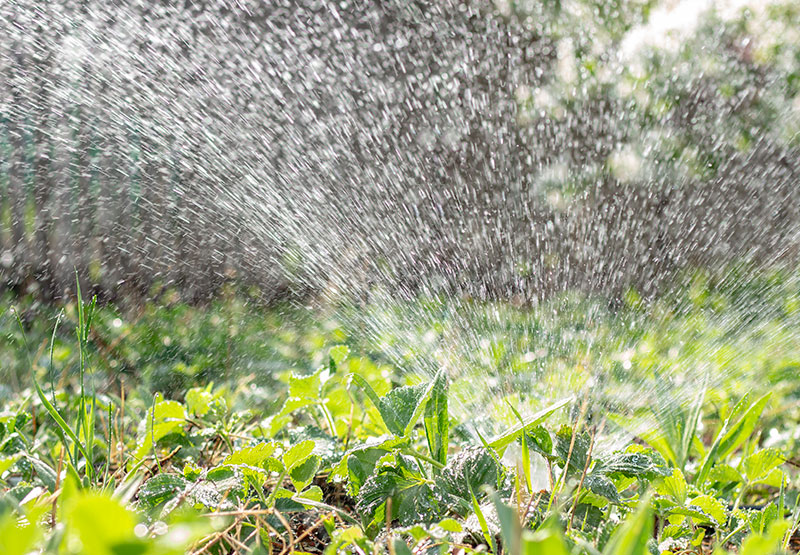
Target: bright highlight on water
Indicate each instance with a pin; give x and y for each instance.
(532, 202)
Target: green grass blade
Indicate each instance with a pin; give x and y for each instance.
(735, 430)
(62, 424)
(526, 455)
(499, 443)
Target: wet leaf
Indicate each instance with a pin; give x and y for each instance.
(297, 454)
(161, 488)
(437, 419)
(710, 506)
(468, 471)
(601, 485)
(302, 473)
(254, 455)
(758, 465)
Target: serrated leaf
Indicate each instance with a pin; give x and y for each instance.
(674, 486)
(297, 454)
(198, 401)
(384, 444)
(601, 485)
(772, 479)
(724, 473)
(710, 506)
(313, 493)
(575, 452)
(254, 455)
(635, 465)
(191, 471)
(228, 481)
(302, 473)
(759, 521)
(760, 464)
(412, 497)
(161, 488)
(305, 387)
(469, 470)
(401, 407)
(338, 355)
(360, 465)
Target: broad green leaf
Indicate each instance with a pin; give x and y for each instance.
(601, 485)
(297, 454)
(160, 489)
(44, 471)
(366, 455)
(710, 506)
(636, 464)
(191, 471)
(198, 401)
(17, 535)
(437, 420)
(305, 387)
(631, 537)
(290, 405)
(500, 442)
(772, 479)
(758, 465)
(8, 462)
(228, 481)
(760, 520)
(412, 497)
(313, 493)
(539, 440)
(254, 455)
(302, 473)
(466, 471)
(450, 525)
(401, 407)
(573, 451)
(166, 417)
(724, 474)
(674, 486)
(360, 465)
